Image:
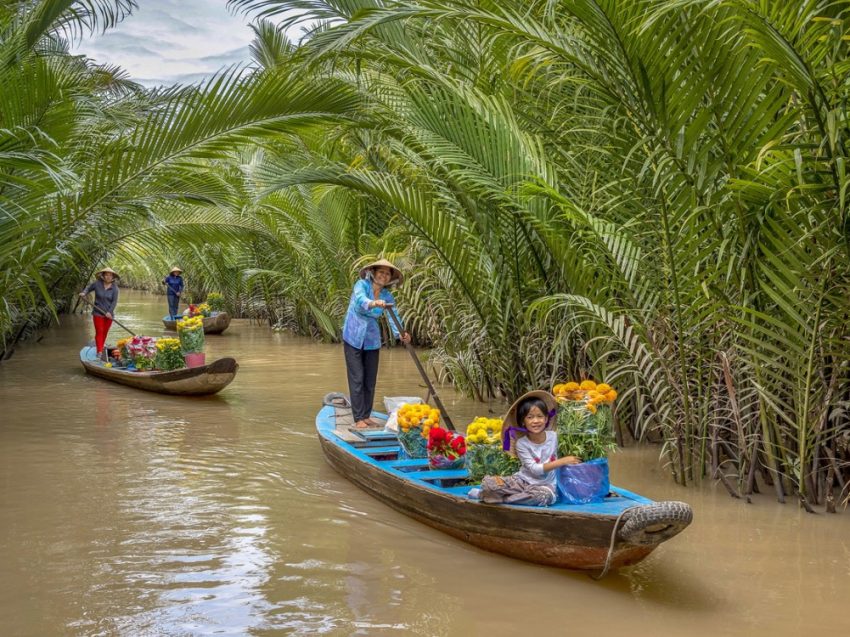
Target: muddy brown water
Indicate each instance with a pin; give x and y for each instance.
(129, 513)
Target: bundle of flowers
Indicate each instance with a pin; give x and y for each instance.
(120, 352)
(446, 449)
(584, 426)
(216, 301)
(484, 453)
(141, 351)
(587, 391)
(168, 354)
(414, 425)
(584, 421)
(202, 309)
(191, 334)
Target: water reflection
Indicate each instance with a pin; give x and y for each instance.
(129, 513)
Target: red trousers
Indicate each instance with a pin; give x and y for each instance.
(101, 329)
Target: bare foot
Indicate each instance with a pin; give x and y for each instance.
(374, 422)
(361, 424)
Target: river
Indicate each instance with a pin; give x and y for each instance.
(129, 513)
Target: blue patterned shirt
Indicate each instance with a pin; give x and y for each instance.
(361, 329)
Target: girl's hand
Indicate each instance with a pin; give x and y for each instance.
(405, 338)
(82, 295)
(379, 303)
(569, 460)
(109, 315)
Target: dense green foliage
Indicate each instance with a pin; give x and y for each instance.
(654, 193)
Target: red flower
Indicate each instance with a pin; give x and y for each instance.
(437, 434)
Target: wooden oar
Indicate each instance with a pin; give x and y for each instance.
(114, 320)
(422, 372)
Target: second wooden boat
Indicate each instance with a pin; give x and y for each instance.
(620, 531)
(193, 381)
(214, 324)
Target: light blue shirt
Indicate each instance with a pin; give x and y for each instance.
(361, 329)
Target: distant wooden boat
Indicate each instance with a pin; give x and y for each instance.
(620, 531)
(214, 324)
(195, 381)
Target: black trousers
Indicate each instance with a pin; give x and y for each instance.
(362, 368)
(173, 304)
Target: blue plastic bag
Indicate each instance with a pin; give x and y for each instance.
(585, 482)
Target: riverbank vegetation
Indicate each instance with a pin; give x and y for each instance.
(653, 193)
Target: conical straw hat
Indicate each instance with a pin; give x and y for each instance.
(110, 270)
(398, 277)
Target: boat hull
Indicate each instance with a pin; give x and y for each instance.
(521, 532)
(195, 381)
(575, 537)
(212, 324)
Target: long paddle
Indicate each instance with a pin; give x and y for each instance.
(421, 369)
(114, 320)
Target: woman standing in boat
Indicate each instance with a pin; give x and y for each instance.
(174, 288)
(361, 335)
(105, 288)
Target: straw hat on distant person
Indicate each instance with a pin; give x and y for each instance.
(100, 273)
(175, 269)
(398, 277)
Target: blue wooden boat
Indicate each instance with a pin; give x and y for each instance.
(620, 531)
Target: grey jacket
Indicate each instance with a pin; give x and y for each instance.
(104, 299)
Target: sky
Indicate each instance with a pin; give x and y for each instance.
(171, 41)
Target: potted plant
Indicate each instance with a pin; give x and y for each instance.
(216, 302)
(191, 334)
(484, 453)
(414, 425)
(169, 355)
(584, 427)
(446, 449)
(142, 352)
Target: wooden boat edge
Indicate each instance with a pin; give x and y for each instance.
(215, 376)
(212, 324)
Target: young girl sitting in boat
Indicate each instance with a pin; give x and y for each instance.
(536, 446)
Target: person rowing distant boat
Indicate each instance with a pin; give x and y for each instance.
(105, 288)
(174, 283)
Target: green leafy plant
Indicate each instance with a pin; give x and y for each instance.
(489, 460)
(216, 301)
(169, 354)
(583, 433)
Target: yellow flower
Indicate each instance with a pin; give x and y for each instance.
(571, 386)
(611, 396)
(591, 408)
(587, 385)
(603, 388)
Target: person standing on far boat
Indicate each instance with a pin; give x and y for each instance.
(361, 335)
(174, 288)
(105, 288)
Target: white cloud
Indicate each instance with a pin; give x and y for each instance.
(168, 41)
